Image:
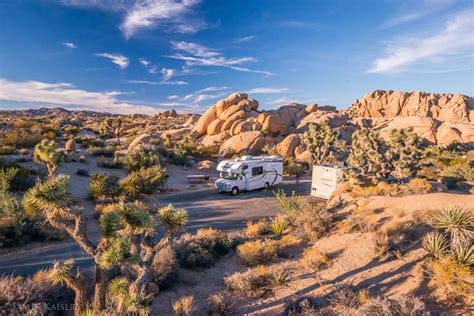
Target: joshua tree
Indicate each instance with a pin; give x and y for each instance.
(318, 140)
(47, 152)
(113, 126)
(367, 153)
(127, 244)
(404, 152)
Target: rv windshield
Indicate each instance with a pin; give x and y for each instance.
(229, 175)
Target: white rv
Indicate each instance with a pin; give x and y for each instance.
(249, 173)
(326, 179)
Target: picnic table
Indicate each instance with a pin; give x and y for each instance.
(197, 178)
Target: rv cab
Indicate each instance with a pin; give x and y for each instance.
(249, 173)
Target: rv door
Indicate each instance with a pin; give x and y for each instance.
(256, 178)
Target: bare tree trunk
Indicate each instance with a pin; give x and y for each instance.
(79, 288)
(100, 289)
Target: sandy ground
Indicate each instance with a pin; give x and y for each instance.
(353, 263)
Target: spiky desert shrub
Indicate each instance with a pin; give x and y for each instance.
(288, 204)
(418, 186)
(257, 252)
(253, 282)
(435, 243)
(145, 180)
(184, 305)
(219, 305)
(108, 151)
(367, 153)
(405, 305)
(458, 222)
(404, 153)
(103, 186)
(314, 259)
(281, 276)
(319, 139)
(312, 221)
(174, 219)
(279, 225)
(164, 266)
(396, 238)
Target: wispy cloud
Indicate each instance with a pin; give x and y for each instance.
(245, 39)
(200, 55)
(69, 44)
(186, 70)
(152, 69)
(197, 99)
(169, 15)
(299, 24)
(267, 90)
(416, 10)
(66, 94)
(117, 59)
(158, 83)
(172, 14)
(450, 46)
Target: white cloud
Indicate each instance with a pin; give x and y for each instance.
(195, 100)
(146, 14)
(267, 90)
(66, 94)
(245, 39)
(152, 69)
(69, 44)
(441, 49)
(416, 10)
(158, 83)
(117, 59)
(144, 62)
(199, 55)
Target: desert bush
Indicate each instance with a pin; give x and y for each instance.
(258, 229)
(7, 150)
(257, 252)
(103, 186)
(184, 305)
(314, 259)
(403, 305)
(435, 243)
(26, 296)
(108, 151)
(414, 186)
(367, 153)
(319, 140)
(281, 276)
(396, 238)
(404, 153)
(286, 243)
(253, 282)
(288, 204)
(164, 266)
(145, 180)
(203, 248)
(82, 172)
(109, 163)
(219, 305)
(449, 278)
(144, 156)
(458, 222)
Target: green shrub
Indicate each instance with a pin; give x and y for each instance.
(142, 157)
(103, 186)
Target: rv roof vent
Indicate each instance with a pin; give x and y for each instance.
(247, 157)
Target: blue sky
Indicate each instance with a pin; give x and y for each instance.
(129, 56)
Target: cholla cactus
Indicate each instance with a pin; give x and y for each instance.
(367, 153)
(404, 152)
(47, 152)
(318, 140)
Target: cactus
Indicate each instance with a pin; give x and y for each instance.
(319, 140)
(367, 153)
(404, 153)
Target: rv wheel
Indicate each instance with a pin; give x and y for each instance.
(266, 186)
(235, 191)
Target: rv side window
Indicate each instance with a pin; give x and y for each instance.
(257, 170)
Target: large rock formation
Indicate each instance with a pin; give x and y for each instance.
(444, 107)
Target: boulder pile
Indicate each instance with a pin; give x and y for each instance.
(238, 126)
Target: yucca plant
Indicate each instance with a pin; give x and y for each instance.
(435, 243)
(47, 152)
(458, 222)
(173, 219)
(131, 185)
(464, 255)
(184, 305)
(279, 225)
(281, 276)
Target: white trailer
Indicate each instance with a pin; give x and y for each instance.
(249, 173)
(326, 179)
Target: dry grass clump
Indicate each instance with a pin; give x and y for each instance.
(396, 238)
(279, 225)
(257, 229)
(203, 248)
(414, 186)
(184, 305)
(258, 251)
(253, 282)
(315, 259)
(163, 266)
(345, 300)
(219, 305)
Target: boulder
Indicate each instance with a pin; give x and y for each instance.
(215, 127)
(206, 164)
(142, 139)
(191, 120)
(287, 146)
(243, 143)
(234, 117)
(274, 124)
(207, 118)
(311, 108)
(425, 127)
(70, 145)
(223, 104)
(447, 133)
(333, 119)
(304, 156)
(212, 140)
